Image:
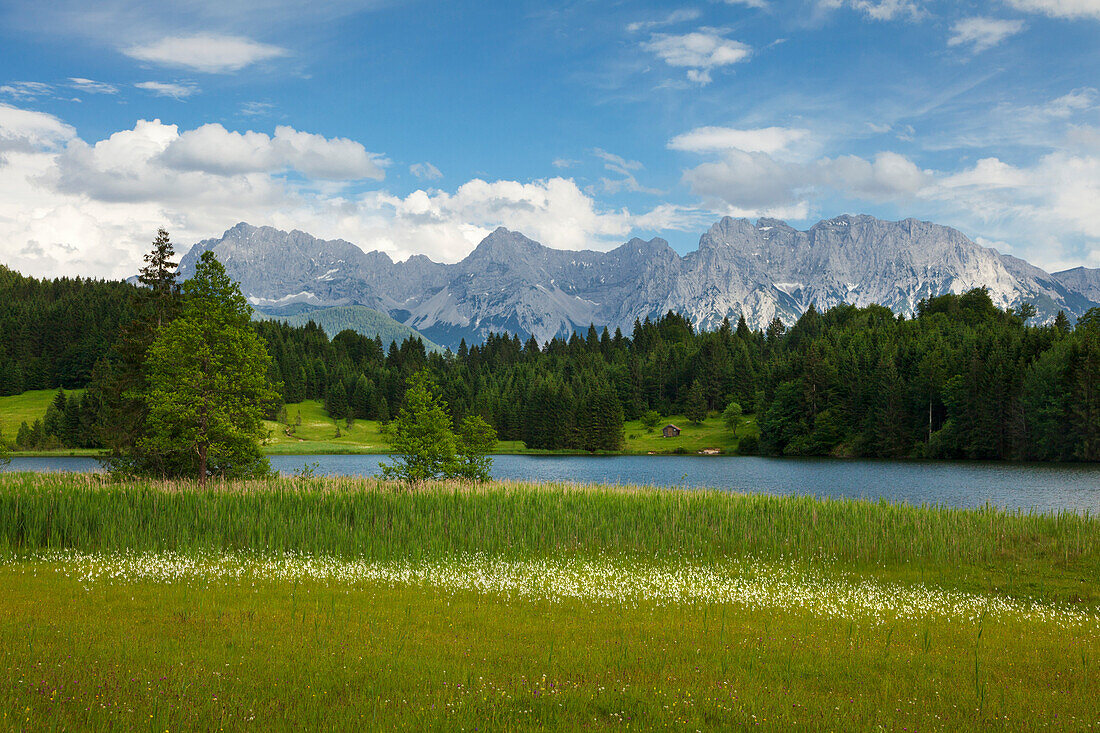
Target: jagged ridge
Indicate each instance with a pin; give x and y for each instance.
(761, 270)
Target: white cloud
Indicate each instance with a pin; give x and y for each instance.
(624, 168)
(26, 89)
(750, 3)
(71, 207)
(699, 51)
(553, 211)
(878, 9)
(26, 130)
(716, 139)
(205, 52)
(1059, 8)
(213, 149)
(758, 183)
(91, 86)
(257, 109)
(1079, 100)
(425, 170)
(682, 15)
(1046, 206)
(617, 163)
(168, 89)
(982, 33)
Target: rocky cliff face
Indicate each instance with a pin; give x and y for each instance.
(762, 270)
(1081, 280)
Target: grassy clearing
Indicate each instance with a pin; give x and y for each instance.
(318, 656)
(317, 435)
(711, 433)
(26, 407)
(353, 603)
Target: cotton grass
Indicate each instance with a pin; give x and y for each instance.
(748, 583)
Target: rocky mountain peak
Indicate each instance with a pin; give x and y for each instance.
(511, 283)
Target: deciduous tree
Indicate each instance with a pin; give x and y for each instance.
(208, 385)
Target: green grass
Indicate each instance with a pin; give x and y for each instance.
(694, 437)
(323, 654)
(317, 657)
(1052, 557)
(26, 407)
(317, 435)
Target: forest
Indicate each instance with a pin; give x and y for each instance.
(961, 378)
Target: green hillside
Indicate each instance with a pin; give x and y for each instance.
(26, 407)
(358, 318)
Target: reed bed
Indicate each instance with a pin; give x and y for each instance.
(378, 521)
(340, 603)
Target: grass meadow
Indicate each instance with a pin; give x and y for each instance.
(26, 407)
(316, 434)
(338, 602)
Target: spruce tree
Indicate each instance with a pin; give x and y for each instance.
(420, 436)
(695, 407)
(120, 379)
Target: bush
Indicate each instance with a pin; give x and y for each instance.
(749, 446)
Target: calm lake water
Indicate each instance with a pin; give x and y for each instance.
(1042, 487)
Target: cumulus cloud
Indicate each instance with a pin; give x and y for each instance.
(168, 89)
(1046, 206)
(426, 171)
(699, 52)
(716, 139)
(212, 148)
(91, 208)
(757, 182)
(205, 52)
(27, 130)
(982, 34)
(1060, 8)
(878, 9)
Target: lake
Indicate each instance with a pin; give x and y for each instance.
(1042, 487)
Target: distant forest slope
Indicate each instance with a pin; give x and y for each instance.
(52, 332)
(358, 318)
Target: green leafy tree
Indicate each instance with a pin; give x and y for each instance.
(476, 440)
(731, 416)
(5, 451)
(650, 420)
(420, 436)
(208, 386)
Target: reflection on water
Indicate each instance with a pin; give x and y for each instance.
(1043, 487)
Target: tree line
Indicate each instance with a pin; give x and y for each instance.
(960, 379)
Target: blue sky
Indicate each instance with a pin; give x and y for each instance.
(418, 127)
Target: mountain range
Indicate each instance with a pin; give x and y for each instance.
(762, 270)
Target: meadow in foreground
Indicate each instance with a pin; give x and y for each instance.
(346, 603)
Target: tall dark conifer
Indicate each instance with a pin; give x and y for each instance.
(120, 379)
